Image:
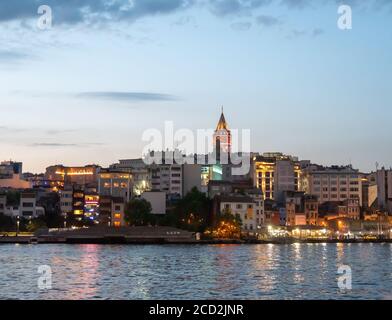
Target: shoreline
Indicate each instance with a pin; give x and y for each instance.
(163, 241)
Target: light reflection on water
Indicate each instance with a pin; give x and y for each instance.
(296, 271)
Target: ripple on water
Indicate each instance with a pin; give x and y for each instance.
(300, 271)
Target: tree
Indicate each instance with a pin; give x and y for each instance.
(228, 226)
(192, 211)
(35, 224)
(138, 212)
(6, 223)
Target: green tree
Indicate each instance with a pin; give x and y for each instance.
(192, 212)
(6, 223)
(138, 212)
(35, 224)
(228, 226)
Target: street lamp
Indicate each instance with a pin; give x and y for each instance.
(17, 225)
(65, 221)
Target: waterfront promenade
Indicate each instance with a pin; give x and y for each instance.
(153, 235)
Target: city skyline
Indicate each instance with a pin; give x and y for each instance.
(282, 69)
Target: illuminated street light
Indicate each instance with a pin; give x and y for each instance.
(17, 225)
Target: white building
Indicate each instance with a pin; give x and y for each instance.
(115, 183)
(66, 200)
(249, 210)
(333, 183)
(384, 189)
(167, 178)
(27, 207)
(141, 174)
(11, 176)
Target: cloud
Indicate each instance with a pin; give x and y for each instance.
(235, 7)
(63, 145)
(296, 4)
(241, 26)
(58, 131)
(44, 144)
(317, 32)
(268, 21)
(126, 96)
(90, 11)
(100, 11)
(13, 56)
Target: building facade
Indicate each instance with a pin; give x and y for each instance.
(275, 173)
(333, 183)
(115, 183)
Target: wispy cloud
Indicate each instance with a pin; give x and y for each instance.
(317, 32)
(13, 56)
(44, 144)
(101, 11)
(268, 21)
(241, 26)
(91, 11)
(64, 145)
(126, 96)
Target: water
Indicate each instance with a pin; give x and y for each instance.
(296, 271)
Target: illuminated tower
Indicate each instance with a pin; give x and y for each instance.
(222, 137)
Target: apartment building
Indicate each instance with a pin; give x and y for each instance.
(64, 175)
(249, 208)
(384, 189)
(167, 178)
(118, 212)
(275, 173)
(335, 183)
(27, 207)
(141, 174)
(115, 183)
(11, 176)
(66, 200)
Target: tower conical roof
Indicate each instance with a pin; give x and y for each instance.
(222, 124)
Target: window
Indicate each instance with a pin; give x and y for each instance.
(239, 206)
(117, 216)
(117, 207)
(27, 205)
(250, 206)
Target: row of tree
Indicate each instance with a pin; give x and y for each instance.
(192, 212)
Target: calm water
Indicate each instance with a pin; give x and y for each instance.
(297, 271)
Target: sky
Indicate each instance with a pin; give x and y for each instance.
(85, 90)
